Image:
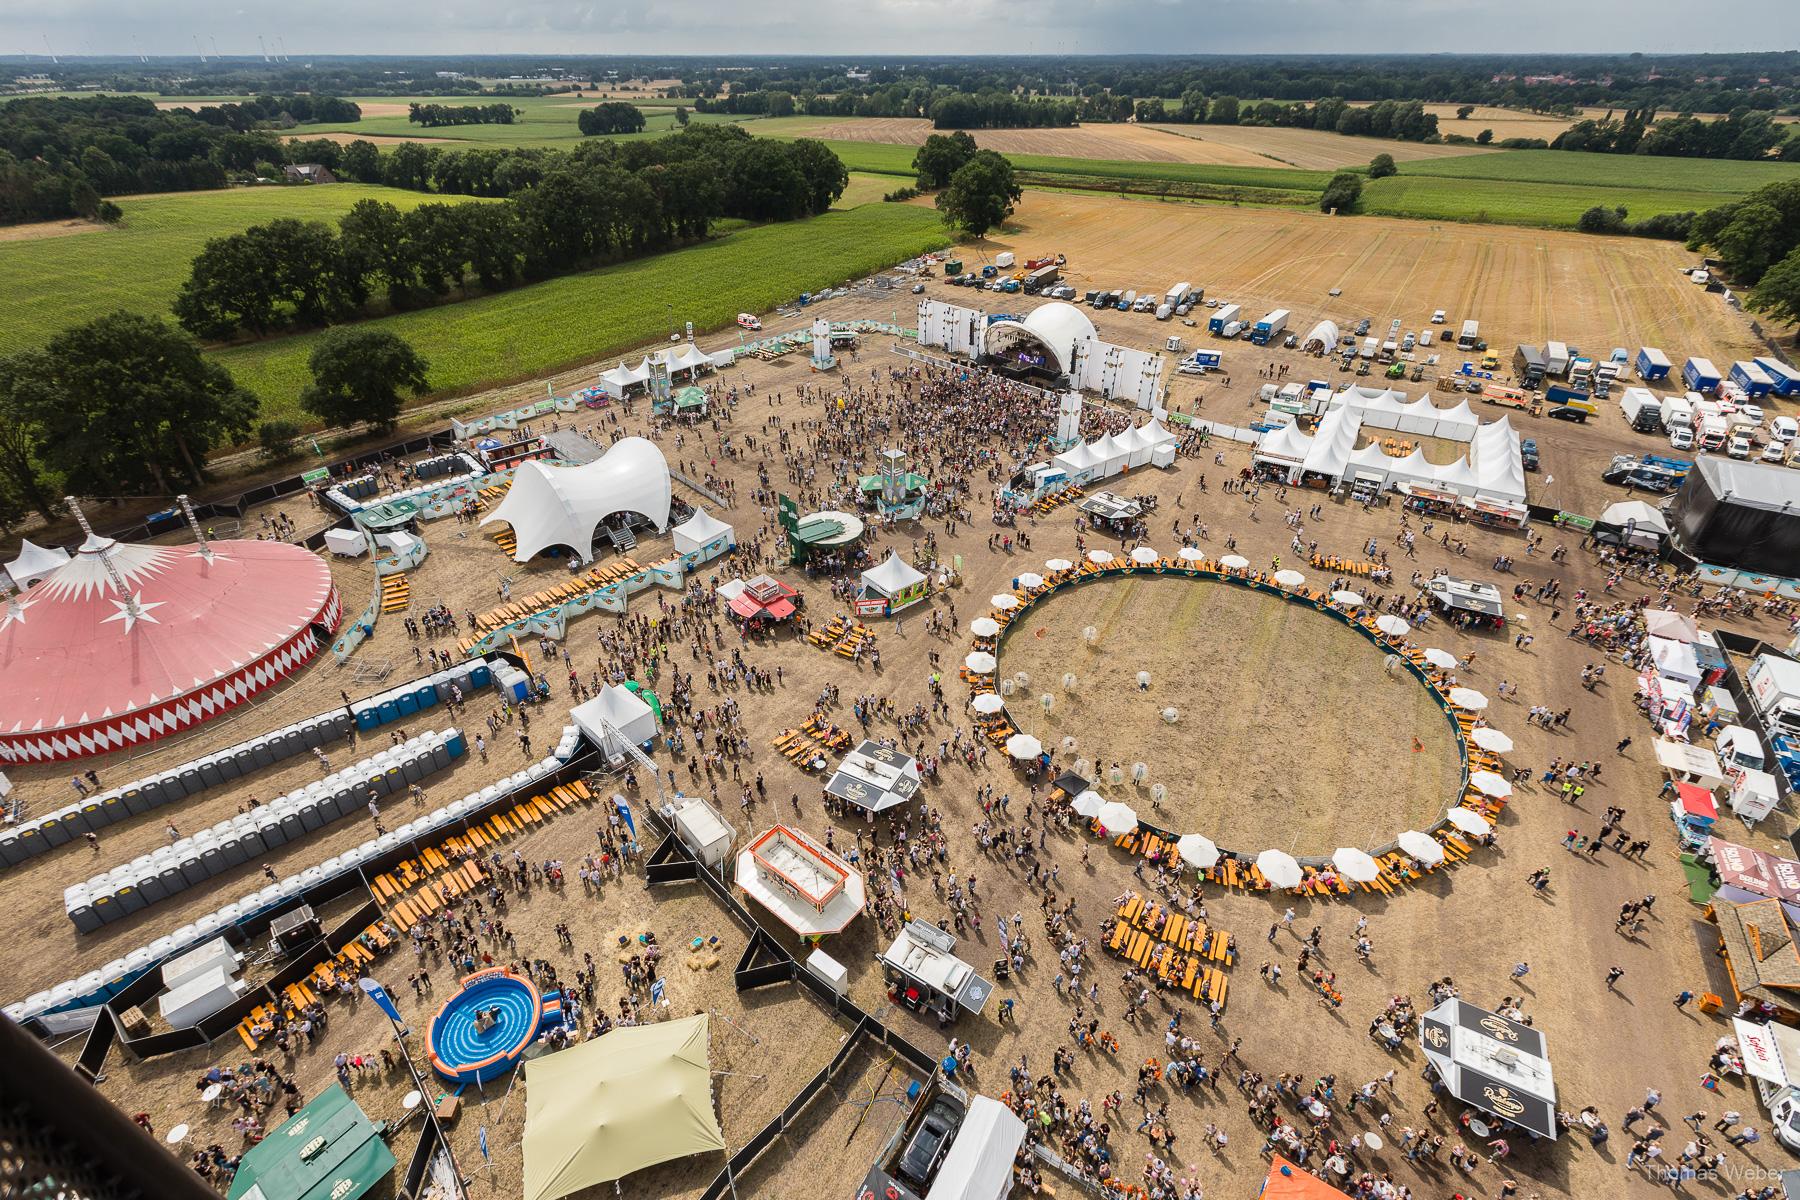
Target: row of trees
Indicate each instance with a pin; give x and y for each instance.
(434, 115)
(614, 116)
(128, 405)
(601, 203)
(59, 157)
(271, 111)
(1405, 120)
(1757, 239)
(999, 110)
(1741, 134)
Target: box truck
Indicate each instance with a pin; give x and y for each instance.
(1004, 259)
(1786, 379)
(1642, 409)
(1774, 684)
(1700, 375)
(1222, 316)
(1652, 364)
(1370, 346)
(1677, 412)
(1712, 433)
(1529, 365)
(1270, 326)
(1178, 294)
(1753, 379)
(1470, 335)
(1040, 279)
(1556, 359)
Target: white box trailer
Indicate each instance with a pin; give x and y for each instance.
(1178, 293)
(1774, 685)
(1370, 347)
(1471, 333)
(1556, 359)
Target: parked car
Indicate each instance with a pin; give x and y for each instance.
(1738, 446)
(1753, 411)
(1528, 453)
(1681, 437)
(918, 288)
(747, 321)
(924, 1153)
(1775, 453)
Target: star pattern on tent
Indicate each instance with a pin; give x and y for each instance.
(15, 611)
(210, 555)
(134, 610)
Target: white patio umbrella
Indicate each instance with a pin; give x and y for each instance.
(1348, 599)
(1117, 818)
(987, 704)
(1004, 601)
(1490, 783)
(1029, 581)
(1233, 562)
(1469, 821)
(1492, 740)
(1279, 867)
(1422, 846)
(1197, 851)
(1467, 698)
(1024, 747)
(1393, 626)
(981, 662)
(1443, 660)
(1356, 865)
(1100, 557)
(984, 627)
(1143, 556)
(1190, 554)
(1289, 579)
(1058, 564)
(1372, 1140)
(1088, 804)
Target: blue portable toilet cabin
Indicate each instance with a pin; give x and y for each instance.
(387, 710)
(457, 744)
(480, 674)
(367, 714)
(405, 702)
(425, 695)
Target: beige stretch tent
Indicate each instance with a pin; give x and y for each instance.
(635, 1097)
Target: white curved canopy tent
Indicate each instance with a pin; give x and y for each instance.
(1051, 330)
(34, 562)
(562, 506)
(1324, 336)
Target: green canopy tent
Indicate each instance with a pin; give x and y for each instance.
(329, 1150)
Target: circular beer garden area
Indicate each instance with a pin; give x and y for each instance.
(1212, 699)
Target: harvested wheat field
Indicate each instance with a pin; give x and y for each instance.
(47, 229)
(1308, 149)
(385, 139)
(1286, 718)
(1523, 285)
(1137, 143)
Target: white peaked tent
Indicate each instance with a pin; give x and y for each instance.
(35, 562)
(980, 1162)
(622, 377)
(1369, 461)
(891, 576)
(1324, 336)
(1418, 416)
(700, 531)
(1458, 477)
(1158, 434)
(1286, 447)
(1458, 424)
(1331, 448)
(689, 358)
(622, 709)
(1114, 456)
(1498, 461)
(1137, 447)
(1414, 468)
(562, 506)
(1079, 461)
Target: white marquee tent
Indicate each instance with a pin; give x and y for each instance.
(1080, 462)
(562, 506)
(1324, 336)
(979, 1164)
(1498, 460)
(34, 562)
(622, 709)
(700, 531)
(891, 576)
(1333, 445)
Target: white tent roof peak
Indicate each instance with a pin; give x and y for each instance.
(697, 531)
(892, 575)
(35, 562)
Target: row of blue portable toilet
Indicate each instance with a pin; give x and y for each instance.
(421, 694)
(193, 860)
(95, 812)
(97, 986)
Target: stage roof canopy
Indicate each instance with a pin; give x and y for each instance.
(329, 1150)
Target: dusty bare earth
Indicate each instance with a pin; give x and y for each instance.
(1470, 923)
(381, 139)
(1289, 733)
(1310, 149)
(47, 229)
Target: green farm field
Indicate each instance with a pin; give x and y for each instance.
(1501, 202)
(543, 121)
(55, 282)
(563, 322)
(1609, 170)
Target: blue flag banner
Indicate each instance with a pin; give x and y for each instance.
(625, 815)
(380, 996)
(484, 1150)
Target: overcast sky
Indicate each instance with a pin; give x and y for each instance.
(896, 26)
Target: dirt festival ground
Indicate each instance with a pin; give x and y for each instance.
(1289, 728)
(1252, 679)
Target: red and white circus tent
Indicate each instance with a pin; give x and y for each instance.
(86, 670)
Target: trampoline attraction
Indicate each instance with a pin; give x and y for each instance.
(485, 1028)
